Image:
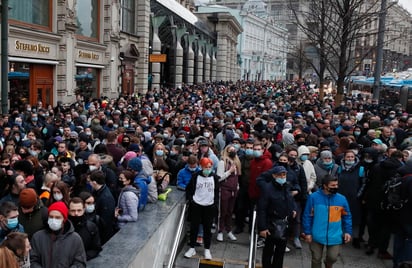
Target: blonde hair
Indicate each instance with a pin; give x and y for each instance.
(235, 160)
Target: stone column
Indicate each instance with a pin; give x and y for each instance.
(156, 49)
(222, 58)
(191, 60)
(214, 64)
(206, 69)
(143, 31)
(199, 63)
(179, 57)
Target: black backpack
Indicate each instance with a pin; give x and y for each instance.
(393, 199)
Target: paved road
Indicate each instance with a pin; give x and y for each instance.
(236, 253)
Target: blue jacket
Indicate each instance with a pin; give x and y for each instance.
(327, 218)
(142, 181)
(184, 176)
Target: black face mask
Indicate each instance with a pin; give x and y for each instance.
(110, 125)
(232, 154)
(333, 190)
(6, 167)
(283, 164)
(76, 219)
(125, 144)
(51, 164)
(72, 140)
(300, 143)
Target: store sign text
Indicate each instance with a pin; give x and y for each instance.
(41, 48)
(88, 55)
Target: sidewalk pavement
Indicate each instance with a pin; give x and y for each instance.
(235, 254)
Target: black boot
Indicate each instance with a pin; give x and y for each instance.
(356, 243)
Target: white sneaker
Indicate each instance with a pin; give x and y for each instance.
(287, 249)
(219, 237)
(208, 256)
(231, 236)
(190, 253)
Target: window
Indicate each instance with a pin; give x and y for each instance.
(87, 82)
(33, 12)
(128, 16)
(88, 18)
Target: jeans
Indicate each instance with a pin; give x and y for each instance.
(332, 253)
(402, 245)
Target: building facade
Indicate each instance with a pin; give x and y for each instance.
(94, 48)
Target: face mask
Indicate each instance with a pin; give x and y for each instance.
(33, 153)
(34, 119)
(88, 133)
(12, 223)
(75, 219)
(68, 120)
(392, 116)
(207, 172)
(349, 163)
(206, 134)
(347, 128)
(192, 169)
(328, 165)
(125, 144)
(126, 125)
(166, 135)
(57, 196)
(368, 161)
(300, 143)
(249, 152)
(392, 137)
(183, 140)
(278, 154)
(115, 125)
(92, 168)
(159, 152)
(55, 224)
(90, 208)
(281, 181)
(17, 138)
(333, 190)
(283, 164)
(356, 133)
(304, 157)
(109, 125)
(72, 140)
(232, 154)
(257, 153)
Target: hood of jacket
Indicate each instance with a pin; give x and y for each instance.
(303, 149)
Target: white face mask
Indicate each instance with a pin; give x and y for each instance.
(55, 224)
(90, 208)
(92, 168)
(57, 196)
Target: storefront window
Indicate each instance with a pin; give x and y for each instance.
(19, 78)
(128, 16)
(88, 18)
(33, 12)
(86, 82)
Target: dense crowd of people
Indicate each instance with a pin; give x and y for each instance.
(72, 175)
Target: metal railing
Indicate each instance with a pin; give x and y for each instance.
(177, 239)
(252, 244)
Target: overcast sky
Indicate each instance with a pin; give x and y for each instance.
(406, 4)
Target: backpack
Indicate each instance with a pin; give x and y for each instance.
(393, 198)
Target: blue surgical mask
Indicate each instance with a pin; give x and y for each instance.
(356, 133)
(249, 152)
(192, 169)
(257, 153)
(12, 223)
(159, 152)
(304, 157)
(34, 119)
(237, 146)
(281, 181)
(349, 163)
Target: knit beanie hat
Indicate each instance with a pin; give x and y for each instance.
(135, 164)
(60, 207)
(325, 154)
(27, 198)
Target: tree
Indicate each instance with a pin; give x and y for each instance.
(335, 28)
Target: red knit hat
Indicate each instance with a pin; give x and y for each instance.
(60, 207)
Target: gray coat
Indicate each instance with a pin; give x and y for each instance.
(64, 250)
